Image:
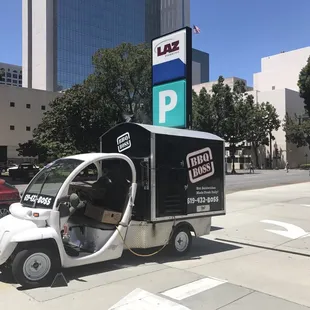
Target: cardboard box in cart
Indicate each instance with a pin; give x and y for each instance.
(102, 215)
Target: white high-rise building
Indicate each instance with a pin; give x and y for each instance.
(281, 71)
(10, 75)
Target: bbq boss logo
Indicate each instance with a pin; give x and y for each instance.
(123, 142)
(167, 47)
(200, 165)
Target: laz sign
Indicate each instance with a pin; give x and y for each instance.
(168, 48)
(169, 57)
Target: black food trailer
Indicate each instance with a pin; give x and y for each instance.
(181, 181)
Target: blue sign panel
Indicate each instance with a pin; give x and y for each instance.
(169, 104)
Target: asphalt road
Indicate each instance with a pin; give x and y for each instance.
(265, 178)
(246, 181)
(256, 257)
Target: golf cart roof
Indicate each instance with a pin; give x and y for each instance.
(174, 132)
(86, 156)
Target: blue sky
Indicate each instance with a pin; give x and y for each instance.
(236, 33)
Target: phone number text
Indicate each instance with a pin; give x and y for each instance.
(203, 200)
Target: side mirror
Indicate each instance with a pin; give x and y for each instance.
(74, 200)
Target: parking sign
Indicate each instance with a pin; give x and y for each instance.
(169, 104)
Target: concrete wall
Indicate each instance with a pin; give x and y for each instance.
(281, 71)
(20, 116)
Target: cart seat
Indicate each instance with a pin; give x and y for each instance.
(86, 221)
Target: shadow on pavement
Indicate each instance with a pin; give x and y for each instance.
(200, 247)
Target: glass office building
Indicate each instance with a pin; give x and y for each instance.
(61, 36)
(84, 26)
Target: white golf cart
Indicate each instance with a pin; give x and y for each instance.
(148, 187)
(35, 239)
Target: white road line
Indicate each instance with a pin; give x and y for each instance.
(142, 300)
(305, 206)
(193, 288)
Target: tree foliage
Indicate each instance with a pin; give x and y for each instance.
(297, 130)
(119, 88)
(304, 85)
(233, 115)
(263, 122)
(123, 75)
(224, 112)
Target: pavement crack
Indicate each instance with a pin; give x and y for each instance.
(233, 301)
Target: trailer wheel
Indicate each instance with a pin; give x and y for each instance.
(181, 241)
(34, 267)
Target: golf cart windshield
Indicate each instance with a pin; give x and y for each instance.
(43, 189)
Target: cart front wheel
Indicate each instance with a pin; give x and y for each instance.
(33, 267)
(4, 211)
(181, 241)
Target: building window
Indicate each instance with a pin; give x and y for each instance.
(20, 76)
(28, 105)
(273, 87)
(12, 127)
(9, 75)
(28, 128)
(15, 81)
(12, 104)
(14, 76)
(43, 107)
(9, 80)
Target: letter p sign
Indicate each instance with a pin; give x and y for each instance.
(169, 104)
(165, 107)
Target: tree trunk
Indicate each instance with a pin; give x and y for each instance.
(255, 147)
(270, 151)
(232, 155)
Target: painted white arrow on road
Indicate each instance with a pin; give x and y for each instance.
(139, 299)
(292, 231)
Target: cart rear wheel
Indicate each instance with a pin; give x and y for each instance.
(181, 241)
(34, 267)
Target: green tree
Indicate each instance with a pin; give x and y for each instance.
(32, 149)
(304, 85)
(264, 120)
(223, 112)
(75, 122)
(123, 76)
(203, 111)
(297, 130)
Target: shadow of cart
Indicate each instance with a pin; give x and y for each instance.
(200, 247)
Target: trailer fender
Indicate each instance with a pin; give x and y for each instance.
(183, 224)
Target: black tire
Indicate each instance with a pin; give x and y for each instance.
(181, 241)
(4, 211)
(25, 260)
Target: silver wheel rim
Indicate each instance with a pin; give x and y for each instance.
(181, 241)
(37, 266)
(4, 212)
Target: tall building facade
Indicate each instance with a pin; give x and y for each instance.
(60, 36)
(281, 70)
(10, 75)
